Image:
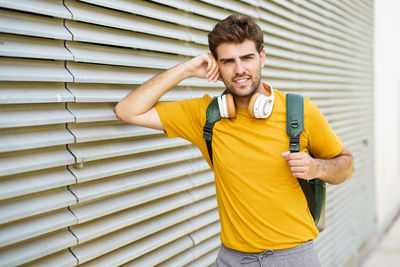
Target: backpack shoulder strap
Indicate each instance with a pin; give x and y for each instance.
(294, 120)
(294, 127)
(212, 116)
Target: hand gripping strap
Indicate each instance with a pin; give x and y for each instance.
(212, 116)
(294, 127)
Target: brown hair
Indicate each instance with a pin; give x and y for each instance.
(236, 28)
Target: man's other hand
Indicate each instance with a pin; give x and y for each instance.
(301, 164)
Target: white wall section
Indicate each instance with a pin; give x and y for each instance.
(387, 111)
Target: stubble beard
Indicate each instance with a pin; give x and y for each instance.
(237, 91)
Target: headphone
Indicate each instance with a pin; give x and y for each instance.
(260, 105)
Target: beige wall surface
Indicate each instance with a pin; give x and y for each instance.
(387, 112)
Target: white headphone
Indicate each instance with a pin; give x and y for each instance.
(260, 105)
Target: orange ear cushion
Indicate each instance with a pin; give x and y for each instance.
(251, 104)
(230, 106)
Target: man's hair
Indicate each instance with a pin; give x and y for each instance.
(235, 29)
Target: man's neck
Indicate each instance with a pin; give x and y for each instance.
(243, 101)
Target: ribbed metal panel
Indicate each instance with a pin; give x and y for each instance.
(78, 186)
(33, 47)
(32, 24)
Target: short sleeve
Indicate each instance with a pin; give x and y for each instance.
(185, 118)
(322, 141)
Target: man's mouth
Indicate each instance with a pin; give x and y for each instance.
(241, 81)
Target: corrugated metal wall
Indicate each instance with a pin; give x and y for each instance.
(77, 186)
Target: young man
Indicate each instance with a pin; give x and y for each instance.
(263, 212)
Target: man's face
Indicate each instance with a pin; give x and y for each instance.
(240, 67)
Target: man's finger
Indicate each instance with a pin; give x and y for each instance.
(285, 154)
(215, 73)
(298, 155)
(297, 169)
(210, 66)
(296, 163)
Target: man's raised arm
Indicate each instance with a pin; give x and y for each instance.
(138, 107)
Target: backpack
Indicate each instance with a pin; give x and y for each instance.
(315, 189)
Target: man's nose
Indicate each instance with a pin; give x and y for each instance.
(239, 69)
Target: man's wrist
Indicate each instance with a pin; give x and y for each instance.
(319, 168)
(184, 69)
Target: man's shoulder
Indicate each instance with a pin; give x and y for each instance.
(202, 101)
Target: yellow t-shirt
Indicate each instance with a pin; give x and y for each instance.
(261, 205)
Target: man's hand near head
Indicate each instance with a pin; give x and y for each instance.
(204, 66)
(138, 107)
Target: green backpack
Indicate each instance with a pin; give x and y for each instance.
(315, 189)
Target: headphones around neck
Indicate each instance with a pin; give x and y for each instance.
(260, 105)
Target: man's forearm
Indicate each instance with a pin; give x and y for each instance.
(138, 107)
(335, 170)
(146, 96)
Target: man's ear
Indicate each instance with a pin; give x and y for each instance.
(262, 57)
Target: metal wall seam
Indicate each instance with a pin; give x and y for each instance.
(76, 164)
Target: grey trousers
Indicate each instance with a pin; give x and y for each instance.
(303, 255)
